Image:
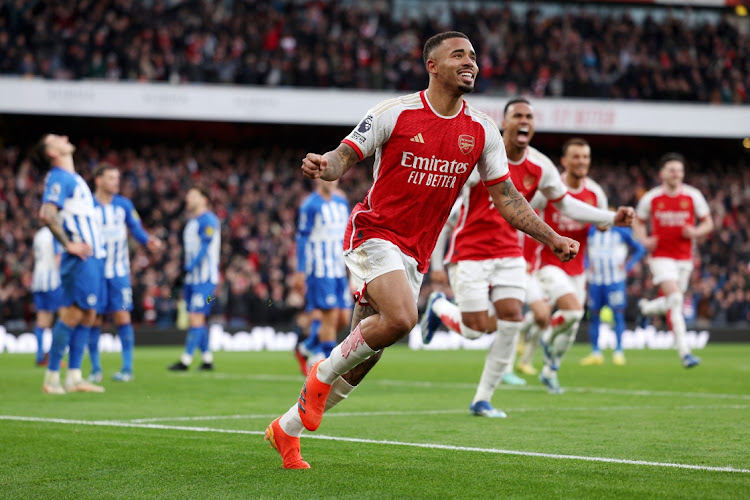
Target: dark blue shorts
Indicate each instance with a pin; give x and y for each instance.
(327, 293)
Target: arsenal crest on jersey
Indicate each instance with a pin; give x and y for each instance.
(465, 143)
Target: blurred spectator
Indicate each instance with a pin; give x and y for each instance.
(537, 49)
(256, 193)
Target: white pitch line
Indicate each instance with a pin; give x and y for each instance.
(437, 412)
(434, 446)
(463, 385)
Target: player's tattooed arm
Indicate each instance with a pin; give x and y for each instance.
(340, 160)
(48, 216)
(519, 213)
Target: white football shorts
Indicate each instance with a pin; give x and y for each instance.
(666, 269)
(555, 283)
(478, 283)
(534, 292)
(375, 258)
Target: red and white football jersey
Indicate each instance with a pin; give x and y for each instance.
(422, 160)
(590, 192)
(482, 233)
(669, 215)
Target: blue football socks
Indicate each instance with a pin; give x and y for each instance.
(61, 335)
(78, 340)
(94, 334)
(127, 339)
(39, 334)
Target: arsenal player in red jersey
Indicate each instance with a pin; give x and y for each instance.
(672, 210)
(485, 259)
(425, 145)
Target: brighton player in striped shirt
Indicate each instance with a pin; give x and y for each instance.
(425, 145)
(678, 215)
(68, 211)
(45, 286)
(607, 267)
(117, 217)
(321, 272)
(202, 243)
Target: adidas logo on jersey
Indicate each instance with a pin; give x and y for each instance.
(418, 138)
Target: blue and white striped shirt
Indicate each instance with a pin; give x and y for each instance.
(202, 240)
(70, 193)
(320, 236)
(116, 218)
(46, 274)
(608, 252)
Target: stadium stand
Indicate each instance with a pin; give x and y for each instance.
(659, 54)
(255, 192)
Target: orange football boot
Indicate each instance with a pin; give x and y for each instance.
(286, 445)
(312, 399)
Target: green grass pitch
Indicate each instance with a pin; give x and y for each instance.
(650, 429)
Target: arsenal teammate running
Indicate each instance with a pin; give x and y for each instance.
(485, 254)
(426, 146)
(672, 209)
(565, 283)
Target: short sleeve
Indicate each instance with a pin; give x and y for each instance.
(56, 190)
(493, 163)
(373, 131)
(700, 204)
(643, 209)
(208, 228)
(551, 184)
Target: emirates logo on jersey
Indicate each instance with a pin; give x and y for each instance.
(465, 143)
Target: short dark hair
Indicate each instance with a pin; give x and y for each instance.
(39, 155)
(434, 41)
(575, 141)
(202, 190)
(101, 168)
(671, 157)
(513, 101)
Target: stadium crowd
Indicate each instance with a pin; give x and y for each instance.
(256, 193)
(581, 53)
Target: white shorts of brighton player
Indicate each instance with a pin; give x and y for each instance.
(477, 284)
(665, 269)
(534, 292)
(375, 258)
(555, 283)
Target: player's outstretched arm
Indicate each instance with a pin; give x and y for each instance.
(517, 211)
(331, 165)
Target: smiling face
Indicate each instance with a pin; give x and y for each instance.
(577, 161)
(672, 173)
(518, 125)
(454, 64)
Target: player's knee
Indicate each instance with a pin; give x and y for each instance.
(402, 322)
(471, 333)
(474, 322)
(566, 317)
(675, 301)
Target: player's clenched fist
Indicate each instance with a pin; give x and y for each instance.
(624, 216)
(313, 165)
(565, 248)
